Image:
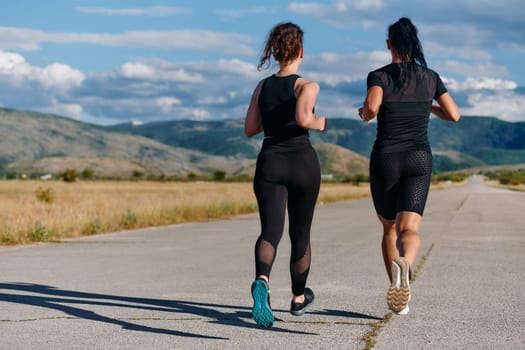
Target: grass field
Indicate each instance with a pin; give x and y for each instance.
(38, 211)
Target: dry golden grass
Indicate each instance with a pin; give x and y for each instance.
(32, 211)
(494, 183)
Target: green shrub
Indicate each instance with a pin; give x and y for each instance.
(507, 177)
(69, 175)
(219, 175)
(46, 195)
(137, 174)
(129, 220)
(40, 234)
(454, 177)
(87, 174)
(94, 227)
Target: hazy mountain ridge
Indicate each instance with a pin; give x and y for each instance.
(474, 141)
(37, 143)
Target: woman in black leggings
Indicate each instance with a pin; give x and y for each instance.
(401, 95)
(287, 172)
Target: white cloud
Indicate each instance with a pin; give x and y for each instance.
(60, 76)
(369, 4)
(310, 8)
(335, 8)
(194, 113)
(336, 13)
(13, 38)
(154, 89)
(238, 67)
(505, 105)
(151, 72)
(473, 69)
(470, 24)
(342, 106)
(438, 50)
(482, 83)
(166, 103)
(208, 100)
(71, 110)
(160, 11)
(332, 68)
(14, 68)
(55, 76)
(241, 12)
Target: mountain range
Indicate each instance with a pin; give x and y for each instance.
(472, 142)
(39, 143)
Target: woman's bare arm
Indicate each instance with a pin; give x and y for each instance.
(253, 121)
(446, 109)
(373, 100)
(307, 92)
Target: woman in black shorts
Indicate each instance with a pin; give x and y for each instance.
(287, 172)
(401, 95)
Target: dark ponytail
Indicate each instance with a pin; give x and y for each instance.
(284, 43)
(403, 38)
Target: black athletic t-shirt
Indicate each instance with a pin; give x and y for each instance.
(277, 104)
(403, 116)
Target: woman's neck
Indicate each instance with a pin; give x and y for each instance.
(395, 57)
(289, 69)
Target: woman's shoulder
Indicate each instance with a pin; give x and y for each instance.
(433, 72)
(305, 84)
(386, 68)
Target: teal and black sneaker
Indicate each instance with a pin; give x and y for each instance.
(262, 312)
(298, 309)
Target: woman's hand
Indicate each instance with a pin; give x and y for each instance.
(373, 100)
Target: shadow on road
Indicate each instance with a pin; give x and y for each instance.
(61, 300)
(347, 314)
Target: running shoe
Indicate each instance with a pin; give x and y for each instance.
(405, 311)
(262, 312)
(298, 309)
(398, 294)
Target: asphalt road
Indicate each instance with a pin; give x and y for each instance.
(187, 286)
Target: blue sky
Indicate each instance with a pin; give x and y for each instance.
(107, 62)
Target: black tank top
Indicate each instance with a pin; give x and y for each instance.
(277, 104)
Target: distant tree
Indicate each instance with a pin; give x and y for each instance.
(219, 175)
(69, 175)
(137, 174)
(88, 174)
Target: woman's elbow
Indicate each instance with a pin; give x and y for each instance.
(453, 115)
(370, 110)
(250, 132)
(303, 123)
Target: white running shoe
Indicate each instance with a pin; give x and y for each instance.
(398, 294)
(404, 311)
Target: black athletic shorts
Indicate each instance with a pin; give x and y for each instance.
(400, 181)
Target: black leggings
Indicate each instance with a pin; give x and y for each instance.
(400, 181)
(286, 173)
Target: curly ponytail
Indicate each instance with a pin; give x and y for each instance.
(403, 38)
(284, 43)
